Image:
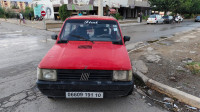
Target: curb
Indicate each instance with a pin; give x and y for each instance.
(165, 89)
(169, 91)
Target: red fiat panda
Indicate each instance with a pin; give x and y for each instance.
(88, 60)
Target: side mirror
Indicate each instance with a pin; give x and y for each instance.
(126, 38)
(54, 36)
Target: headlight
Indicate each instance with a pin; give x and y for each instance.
(46, 74)
(122, 75)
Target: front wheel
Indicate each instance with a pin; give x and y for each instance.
(156, 22)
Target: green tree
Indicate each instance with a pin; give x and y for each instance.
(2, 12)
(27, 11)
(63, 12)
(177, 6)
(164, 5)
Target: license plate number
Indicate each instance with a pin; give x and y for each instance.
(84, 94)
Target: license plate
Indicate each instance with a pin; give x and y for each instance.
(84, 94)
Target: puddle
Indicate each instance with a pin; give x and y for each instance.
(163, 37)
(167, 43)
(152, 41)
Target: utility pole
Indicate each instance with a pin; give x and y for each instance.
(100, 7)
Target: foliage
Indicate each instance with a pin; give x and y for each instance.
(194, 67)
(117, 16)
(176, 6)
(2, 12)
(9, 13)
(63, 12)
(15, 7)
(27, 11)
(145, 17)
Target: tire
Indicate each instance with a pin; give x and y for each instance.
(131, 91)
(49, 97)
(156, 22)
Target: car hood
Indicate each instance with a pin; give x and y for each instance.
(87, 55)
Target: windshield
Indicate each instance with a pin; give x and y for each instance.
(198, 17)
(152, 16)
(90, 30)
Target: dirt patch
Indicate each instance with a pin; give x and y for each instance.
(174, 61)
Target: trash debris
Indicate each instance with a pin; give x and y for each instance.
(168, 106)
(169, 100)
(191, 108)
(175, 108)
(150, 92)
(187, 60)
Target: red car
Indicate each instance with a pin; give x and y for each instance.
(88, 60)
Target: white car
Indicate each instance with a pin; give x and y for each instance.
(155, 19)
(178, 19)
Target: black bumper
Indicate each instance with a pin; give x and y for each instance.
(109, 88)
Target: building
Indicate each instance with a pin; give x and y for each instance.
(14, 4)
(127, 8)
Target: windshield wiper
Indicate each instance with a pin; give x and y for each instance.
(117, 42)
(78, 36)
(63, 41)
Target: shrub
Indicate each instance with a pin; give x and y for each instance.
(27, 11)
(145, 17)
(2, 13)
(188, 16)
(63, 12)
(117, 16)
(9, 13)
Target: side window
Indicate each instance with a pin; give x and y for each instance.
(68, 29)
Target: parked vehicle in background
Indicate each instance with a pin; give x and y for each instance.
(197, 19)
(168, 19)
(155, 19)
(178, 19)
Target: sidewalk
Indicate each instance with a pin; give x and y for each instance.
(174, 62)
(40, 24)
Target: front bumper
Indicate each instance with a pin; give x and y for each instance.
(109, 88)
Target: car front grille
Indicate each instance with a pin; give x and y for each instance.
(84, 75)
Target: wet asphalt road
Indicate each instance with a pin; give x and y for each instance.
(144, 33)
(21, 50)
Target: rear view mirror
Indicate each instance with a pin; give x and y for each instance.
(54, 36)
(126, 38)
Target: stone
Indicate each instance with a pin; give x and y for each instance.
(140, 66)
(180, 68)
(9, 104)
(150, 49)
(173, 79)
(149, 104)
(18, 97)
(153, 58)
(192, 52)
